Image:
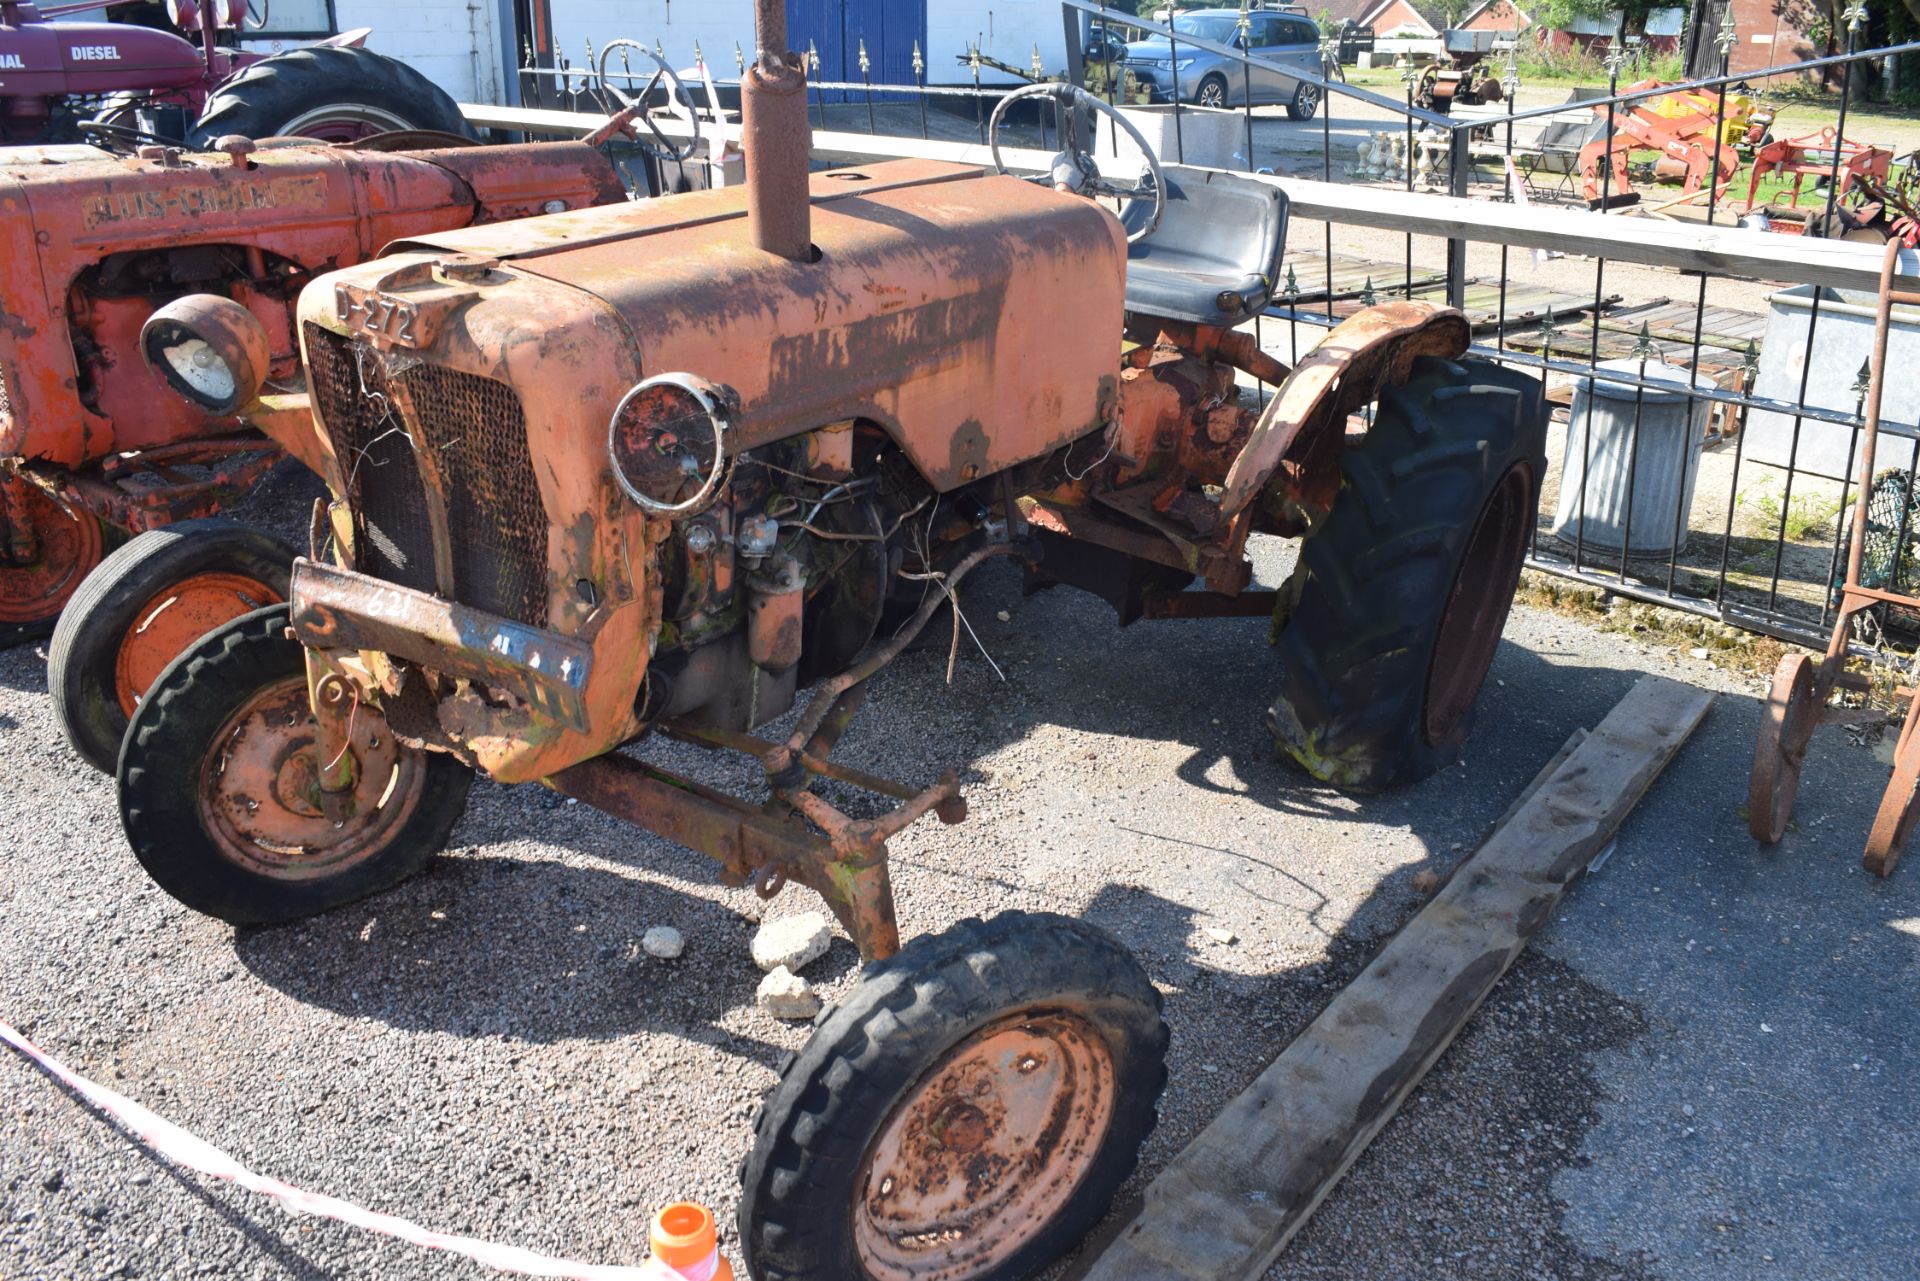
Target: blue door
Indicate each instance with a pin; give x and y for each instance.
(836, 29)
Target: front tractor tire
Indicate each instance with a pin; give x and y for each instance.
(219, 788)
(327, 92)
(968, 1113)
(143, 606)
(1408, 582)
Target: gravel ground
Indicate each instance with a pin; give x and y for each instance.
(1692, 1074)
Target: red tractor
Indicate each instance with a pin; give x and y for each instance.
(61, 81)
(678, 468)
(92, 445)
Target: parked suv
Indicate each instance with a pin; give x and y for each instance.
(1209, 79)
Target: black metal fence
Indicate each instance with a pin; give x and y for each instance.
(1703, 453)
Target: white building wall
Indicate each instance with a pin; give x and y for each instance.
(454, 43)
(675, 24)
(1005, 29)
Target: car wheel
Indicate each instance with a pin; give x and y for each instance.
(1306, 102)
(1212, 92)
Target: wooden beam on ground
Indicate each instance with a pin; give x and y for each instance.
(1229, 1203)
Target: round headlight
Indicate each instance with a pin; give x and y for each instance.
(209, 349)
(668, 443)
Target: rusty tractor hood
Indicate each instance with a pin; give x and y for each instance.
(974, 316)
(307, 209)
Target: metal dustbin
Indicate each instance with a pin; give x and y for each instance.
(1843, 337)
(1208, 136)
(1665, 465)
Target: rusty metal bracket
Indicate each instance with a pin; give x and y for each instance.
(748, 843)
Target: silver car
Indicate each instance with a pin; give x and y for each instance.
(1209, 79)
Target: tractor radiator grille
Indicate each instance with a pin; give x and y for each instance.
(476, 432)
(495, 519)
(383, 484)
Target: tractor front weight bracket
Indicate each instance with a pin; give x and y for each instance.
(844, 861)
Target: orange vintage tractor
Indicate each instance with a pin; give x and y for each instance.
(92, 443)
(657, 470)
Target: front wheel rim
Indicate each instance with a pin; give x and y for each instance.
(985, 1149)
(1478, 603)
(258, 797)
(173, 619)
(68, 546)
(1212, 95)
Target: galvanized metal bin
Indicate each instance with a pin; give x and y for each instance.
(1843, 335)
(1208, 136)
(1665, 459)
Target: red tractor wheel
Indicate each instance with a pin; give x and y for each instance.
(326, 92)
(967, 1113)
(1900, 806)
(144, 606)
(45, 550)
(1786, 727)
(220, 786)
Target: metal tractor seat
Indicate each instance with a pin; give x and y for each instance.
(1215, 256)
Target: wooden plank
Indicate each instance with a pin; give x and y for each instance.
(1229, 1203)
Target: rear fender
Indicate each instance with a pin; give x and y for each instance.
(1373, 349)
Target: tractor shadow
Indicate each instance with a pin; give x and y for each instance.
(558, 896)
(506, 936)
(1185, 701)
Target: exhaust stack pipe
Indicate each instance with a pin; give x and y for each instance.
(777, 139)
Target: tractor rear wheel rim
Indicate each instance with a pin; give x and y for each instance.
(1478, 603)
(259, 795)
(175, 618)
(343, 122)
(984, 1149)
(67, 547)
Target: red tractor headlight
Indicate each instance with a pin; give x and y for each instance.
(668, 443)
(210, 350)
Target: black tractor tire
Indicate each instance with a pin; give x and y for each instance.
(1408, 581)
(124, 596)
(1305, 104)
(176, 753)
(294, 92)
(803, 1183)
(1211, 92)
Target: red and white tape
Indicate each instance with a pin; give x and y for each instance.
(175, 1144)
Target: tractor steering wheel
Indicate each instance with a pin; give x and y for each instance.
(1076, 170)
(126, 135)
(660, 148)
(263, 8)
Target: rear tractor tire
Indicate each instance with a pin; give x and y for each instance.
(141, 609)
(1409, 581)
(968, 1113)
(43, 561)
(219, 790)
(329, 93)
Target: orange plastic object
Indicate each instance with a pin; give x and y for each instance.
(685, 1240)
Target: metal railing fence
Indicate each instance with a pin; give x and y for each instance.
(1757, 541)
